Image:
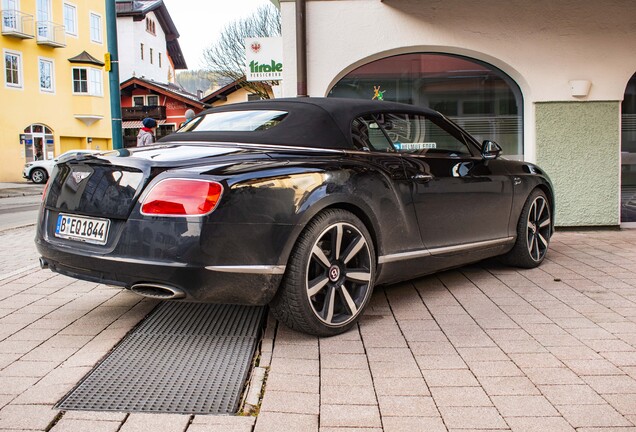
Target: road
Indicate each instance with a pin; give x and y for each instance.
(18, 211)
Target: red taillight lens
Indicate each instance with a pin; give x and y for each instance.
(46, 187)
(182, 197)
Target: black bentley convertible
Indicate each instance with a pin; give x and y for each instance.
(302, 204)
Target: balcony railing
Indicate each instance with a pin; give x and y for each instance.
(17, 24)
(51, 34)
(141, 112)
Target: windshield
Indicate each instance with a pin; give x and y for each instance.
(235, 121)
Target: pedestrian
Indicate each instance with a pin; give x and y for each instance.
(189, 115)
(147, 132)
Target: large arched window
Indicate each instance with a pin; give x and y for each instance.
(628, 153)
(477, 96)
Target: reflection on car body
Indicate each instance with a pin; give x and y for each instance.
(302, 204)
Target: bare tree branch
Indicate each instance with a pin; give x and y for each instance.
(227, 55)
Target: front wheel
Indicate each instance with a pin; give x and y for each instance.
(534, 230)
(329, 276)
(39, 176)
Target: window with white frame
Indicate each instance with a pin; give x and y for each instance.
(152, 100)
(13, 69)
(96, 82)
(88, 81)
(96, 28)
(47, 75)
(151, 56)
(160, 60)
(138, 101)
(70, 19)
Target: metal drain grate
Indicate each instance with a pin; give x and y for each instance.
(185, 358)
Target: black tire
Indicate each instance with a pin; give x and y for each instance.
(329, 276)
(39, 176)
(534, 230)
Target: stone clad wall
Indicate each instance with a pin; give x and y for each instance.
(578, 146)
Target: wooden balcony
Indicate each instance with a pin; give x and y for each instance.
(141, 112)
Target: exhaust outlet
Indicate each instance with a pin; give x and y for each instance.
(161, 292)
(43, 263)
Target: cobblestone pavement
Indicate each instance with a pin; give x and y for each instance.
(482, 347)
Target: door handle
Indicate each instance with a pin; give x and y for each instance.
(422, 177)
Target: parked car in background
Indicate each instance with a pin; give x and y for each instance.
(303, 204)
(40, 171)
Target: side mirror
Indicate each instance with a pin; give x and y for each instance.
(490, 150)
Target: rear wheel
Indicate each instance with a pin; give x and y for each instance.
(329, 276)
(39, 176)
(534, 230)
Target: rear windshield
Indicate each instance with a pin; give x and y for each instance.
(235, 121)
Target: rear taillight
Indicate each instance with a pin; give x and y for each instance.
(182, 197)
(46, 187)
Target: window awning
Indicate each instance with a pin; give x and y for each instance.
(137, 124)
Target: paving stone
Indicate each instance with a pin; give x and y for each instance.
(400, 387)
(137, 422)
(508, 386)
(95, 416)
(612, 384)
(344, 361)
(593, 416)
(297, 351)
(294, 383)
(439, 362)
(347, 395)
(352, 377)
(412, 424)
(345, 416)
(296, 366)
(495, 368)
(272, 422)
(396, 369)
(571, 395)
(472, 418)
(407, 406)
(291, 402)
(552, 376)
(69, 425)
(539, 424)
(27, 417)
(450, 378)
(460, 397)
(524, 406)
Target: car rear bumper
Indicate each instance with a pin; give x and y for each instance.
(196, 283)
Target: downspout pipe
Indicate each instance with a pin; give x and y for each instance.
(113, 76)
(301, 50)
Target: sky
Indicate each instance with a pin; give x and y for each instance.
(199, 23)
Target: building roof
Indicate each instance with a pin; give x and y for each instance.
(86, 58)
(223, 92)
(138, 9)
(167, 89)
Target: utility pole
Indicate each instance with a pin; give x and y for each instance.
(113, 75)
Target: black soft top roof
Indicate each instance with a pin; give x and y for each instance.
(311, 122)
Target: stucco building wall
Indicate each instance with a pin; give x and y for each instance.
(542, 45)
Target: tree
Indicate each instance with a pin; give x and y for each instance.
(227, 55)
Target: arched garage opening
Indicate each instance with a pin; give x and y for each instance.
(478, 96)
(628, 153)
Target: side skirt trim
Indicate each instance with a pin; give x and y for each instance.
(443, 250)
(252, 269)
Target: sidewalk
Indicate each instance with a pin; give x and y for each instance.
(9, 190)
(482, 347)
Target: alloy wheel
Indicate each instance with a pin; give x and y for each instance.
(538, 228)
(339, 274)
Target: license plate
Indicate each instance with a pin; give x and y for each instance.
(84, 229)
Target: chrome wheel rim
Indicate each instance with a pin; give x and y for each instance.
(339, 274)
(37, 176)
(538, 228)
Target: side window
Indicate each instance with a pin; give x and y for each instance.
(367, 134)
(411, 133)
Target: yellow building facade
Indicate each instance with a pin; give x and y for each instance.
(54, 92)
